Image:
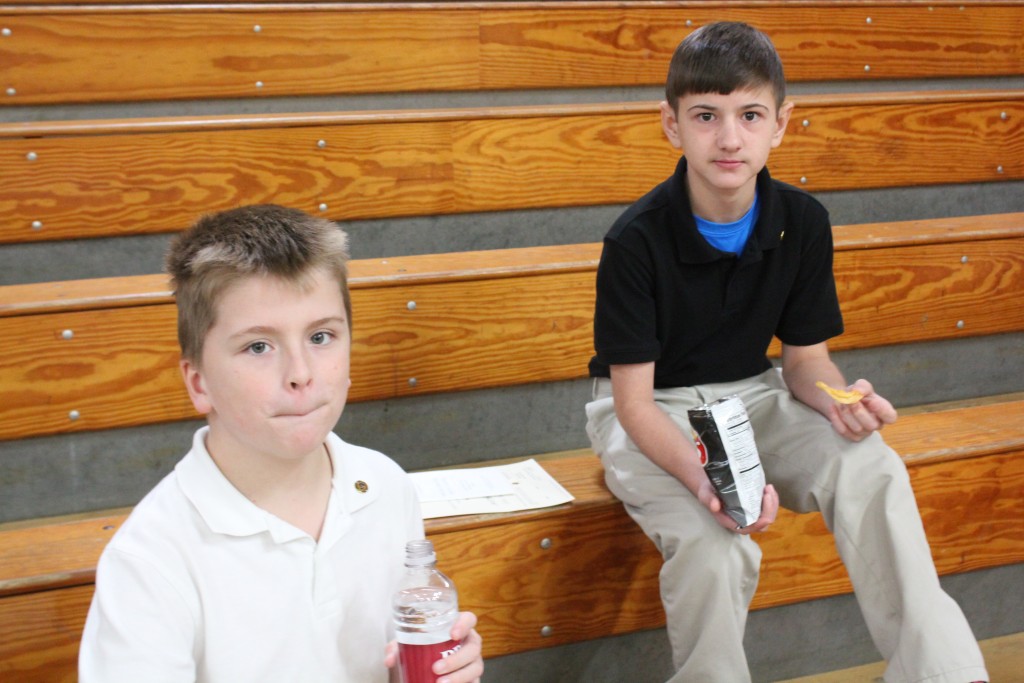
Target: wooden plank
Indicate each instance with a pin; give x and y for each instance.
(96, 369)
(119, 367)
(40, 633)
(55, 554)
(597, 562)
(973, 511)
(61, 54)
(946, 230)
(91, 179)
(936, 291)
(137, 290)
(599, 577)
(396, 271)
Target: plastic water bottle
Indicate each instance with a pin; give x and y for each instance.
(425, 608)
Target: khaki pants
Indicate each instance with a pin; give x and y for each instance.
(709, 574)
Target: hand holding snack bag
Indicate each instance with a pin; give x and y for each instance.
(725, 441)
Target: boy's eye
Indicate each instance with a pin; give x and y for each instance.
(751, 116)
(706, 116)
(320, 338)
(258, 348)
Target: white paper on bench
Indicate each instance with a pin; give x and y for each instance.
(479, 490)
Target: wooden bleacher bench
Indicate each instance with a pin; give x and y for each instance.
(104, 350)
(598, 561)
(107, 52)
(898, 282)
(83, 179)
(424, 325)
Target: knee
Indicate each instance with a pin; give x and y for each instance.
(712, 562)
(870, 464)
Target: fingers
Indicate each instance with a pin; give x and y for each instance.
(880, 408)
(466, 665)
(871, 413)
(708, 498)
(391, 654)
(769, 511)
(465, 623)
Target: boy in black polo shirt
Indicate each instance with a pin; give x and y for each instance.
(695, 279)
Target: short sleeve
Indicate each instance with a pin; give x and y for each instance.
(625, 320)
(139, 627)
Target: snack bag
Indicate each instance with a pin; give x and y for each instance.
(725, 440)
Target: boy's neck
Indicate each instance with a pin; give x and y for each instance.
(717, 205)
(294, 491)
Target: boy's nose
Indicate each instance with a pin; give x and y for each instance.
(299, 373)
(728, 135)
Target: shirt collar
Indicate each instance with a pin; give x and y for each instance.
(227, 511)
(691, 247)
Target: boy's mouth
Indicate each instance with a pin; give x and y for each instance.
(302, 412)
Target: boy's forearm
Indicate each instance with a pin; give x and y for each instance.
(803, 368)
(658, 438)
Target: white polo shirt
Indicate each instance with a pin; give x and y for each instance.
(200, 584)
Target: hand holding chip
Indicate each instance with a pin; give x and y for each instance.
(857, 411)
(846, 396)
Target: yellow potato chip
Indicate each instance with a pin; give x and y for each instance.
(840, 395)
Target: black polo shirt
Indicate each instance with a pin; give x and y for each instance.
(664, 294)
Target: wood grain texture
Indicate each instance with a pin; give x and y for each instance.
(136, 290)
(40, 633)
(599, 577)
(182, 51)
(108, 178)
(938, 291)
(424, 327)
(600, 574)
(56, 554)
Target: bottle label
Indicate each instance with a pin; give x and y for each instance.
(417, 660)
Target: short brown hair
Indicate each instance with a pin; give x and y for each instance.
(262, 240)
(723, 57)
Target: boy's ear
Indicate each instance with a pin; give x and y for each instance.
(785, 111)
(196, 386)
(670, 124)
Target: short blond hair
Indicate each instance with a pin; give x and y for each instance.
(263, 240)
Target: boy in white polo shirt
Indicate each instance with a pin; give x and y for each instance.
(271, 551)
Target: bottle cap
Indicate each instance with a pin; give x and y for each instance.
(420, 553)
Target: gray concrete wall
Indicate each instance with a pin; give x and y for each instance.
(79, 472)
